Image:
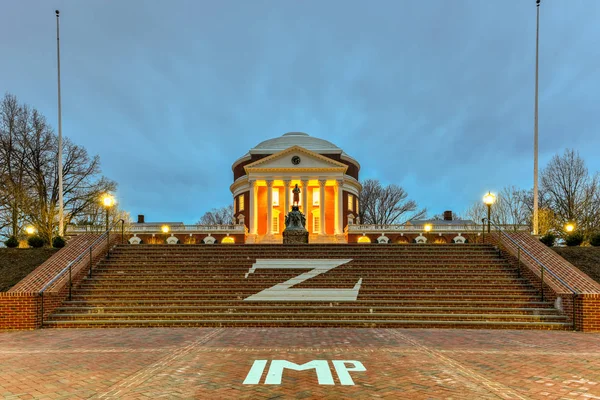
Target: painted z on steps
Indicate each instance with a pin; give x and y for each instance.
(284, 291)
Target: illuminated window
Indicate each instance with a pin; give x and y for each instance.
(275, 197)
(228, 240)
(316, 196)
(350, 202)
(240, 203)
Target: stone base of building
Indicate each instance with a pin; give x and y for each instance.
(295, 236)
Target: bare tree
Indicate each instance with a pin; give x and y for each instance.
(386, 204)
(29, 183)
(573, 195)
(13, 119)
(93, 217)
(510, 208)
(476, 212)
(218, 216)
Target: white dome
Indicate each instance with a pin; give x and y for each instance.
(295, 139)
(287, 140)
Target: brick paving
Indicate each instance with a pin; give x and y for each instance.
(214, 362)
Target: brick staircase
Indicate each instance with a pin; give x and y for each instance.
(446, 286)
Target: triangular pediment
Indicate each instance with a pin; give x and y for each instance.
(296, 158)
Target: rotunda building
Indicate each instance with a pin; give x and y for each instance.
(263, 180)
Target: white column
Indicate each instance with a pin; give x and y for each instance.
(286, 189)
(269, 207)
(304, 184)
(252, 208)
(339, 215)
(322, 206)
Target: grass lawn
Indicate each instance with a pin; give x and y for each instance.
(586, 259)
(16, 264)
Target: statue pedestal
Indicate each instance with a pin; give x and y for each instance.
(295, 232)
(295, 236)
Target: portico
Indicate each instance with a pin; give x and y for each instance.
(263, 192)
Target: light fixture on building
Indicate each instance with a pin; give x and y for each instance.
(488, 200)
(228, 240)
(428, 228)
(364, 239)
(165, 229)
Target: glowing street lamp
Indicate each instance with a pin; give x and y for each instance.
(570, 227)
(428, 228)
(30, 230)
(165, 229)
(488, 200)
(108, 201)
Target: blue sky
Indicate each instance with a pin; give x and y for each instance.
(436, 96)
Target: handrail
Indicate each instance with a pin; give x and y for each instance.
(542, 266)
(88, 250)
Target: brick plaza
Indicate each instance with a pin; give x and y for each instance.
(213, 363)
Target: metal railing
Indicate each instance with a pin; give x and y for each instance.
(543, 268)
(88, 252)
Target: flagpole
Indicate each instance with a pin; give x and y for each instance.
(535, 126)
(60, 163)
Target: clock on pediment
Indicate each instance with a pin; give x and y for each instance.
(296, 160)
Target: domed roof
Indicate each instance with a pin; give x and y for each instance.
(290, 139)
(296, 139)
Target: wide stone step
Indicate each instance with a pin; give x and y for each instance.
(248, 290)
(168, 260)
(310, 323)
(388, 297)
(346, 248)
(303, 251)
(390, 268)
(453, 303)
(316, 316)
(344, 282)
(258, 286)
(245, 308)
(286, 274)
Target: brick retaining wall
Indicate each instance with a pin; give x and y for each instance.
(587, 303)
(21, 306)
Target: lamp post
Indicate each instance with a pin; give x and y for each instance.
(569, 227)
(30, 230)
(108, 201)
(489, 199)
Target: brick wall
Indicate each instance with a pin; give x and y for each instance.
(409, 237)
(587, 301)
(21, 306)
(194, 238)
(19, 310)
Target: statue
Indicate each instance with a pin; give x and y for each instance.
(296, 198)
(295, 222)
